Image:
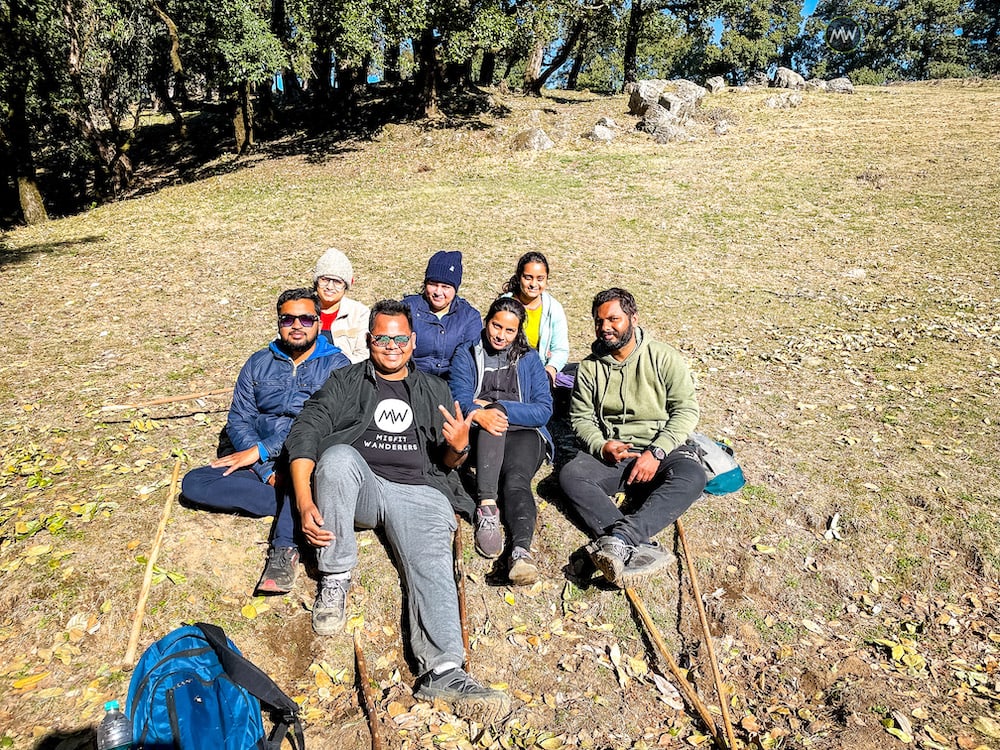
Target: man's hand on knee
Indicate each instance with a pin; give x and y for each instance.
(312, 527)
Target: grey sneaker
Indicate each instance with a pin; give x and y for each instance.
(280, 571)
(646, 559)
(623, 564)
(609, 555)
(523, 570)
(468, 698)
(489, 536)
(329, 609)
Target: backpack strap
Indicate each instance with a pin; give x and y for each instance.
(248, 675)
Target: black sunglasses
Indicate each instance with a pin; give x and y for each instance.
(306, 321)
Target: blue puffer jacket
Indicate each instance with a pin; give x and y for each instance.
(269, 393)
(438, 340)
(534, 407)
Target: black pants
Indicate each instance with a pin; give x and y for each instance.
(505, 466)
(588, 482)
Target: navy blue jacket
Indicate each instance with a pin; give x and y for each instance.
(534, 409)
(270, 392)
(438, 340)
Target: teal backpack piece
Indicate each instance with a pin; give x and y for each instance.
(723, 472)
(194, 690)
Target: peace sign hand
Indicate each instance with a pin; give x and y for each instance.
(456, 428)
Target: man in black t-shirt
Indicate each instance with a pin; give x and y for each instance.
(374, 447)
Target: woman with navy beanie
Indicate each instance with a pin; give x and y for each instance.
(442, 320)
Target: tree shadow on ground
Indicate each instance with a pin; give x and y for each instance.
(314, 131)
(11, 256)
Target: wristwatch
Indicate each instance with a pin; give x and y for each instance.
(657, 452)
(467, 448)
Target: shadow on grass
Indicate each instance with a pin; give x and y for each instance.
(11, 256)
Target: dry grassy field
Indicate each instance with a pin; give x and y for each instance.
(832, 272)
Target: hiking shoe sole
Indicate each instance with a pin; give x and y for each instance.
(646, 561)
(523, 572)
(488, 708)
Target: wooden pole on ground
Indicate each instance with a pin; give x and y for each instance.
(140, 607)
(460, 585)
(166, 400)
(685, 686)
(720, 687)
(366, 694)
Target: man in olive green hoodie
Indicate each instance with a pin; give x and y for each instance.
(633, 407)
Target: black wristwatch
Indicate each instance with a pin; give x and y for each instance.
(657, 452)
(466, 449)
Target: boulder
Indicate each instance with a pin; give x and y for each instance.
(715, 84)
(840, 86)
(784, 101)
(758, 80)
(721, 127)
(532, 139)
(601, 134)
(786, 78)
(607, 122)
(650, 91)
(816, 84)
(660, 123)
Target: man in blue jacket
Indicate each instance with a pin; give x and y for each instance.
(270, 390)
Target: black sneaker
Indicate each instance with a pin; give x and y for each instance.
(280, 571)
(489, 536)
(329, 609)
(523, 570)
(468, 698)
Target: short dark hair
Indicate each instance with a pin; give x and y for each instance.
(625, 299)
(290, 295)
(390, 307)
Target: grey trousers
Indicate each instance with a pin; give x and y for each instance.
(419, 523)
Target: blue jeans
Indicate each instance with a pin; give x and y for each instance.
(419, 523)
(242, 492)
(588, 482)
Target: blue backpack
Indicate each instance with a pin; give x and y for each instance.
(721, 469)
(194, 690)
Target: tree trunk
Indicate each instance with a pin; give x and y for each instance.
(428, 71)
(573, 79)
(488, 68)
(390, 66)
(177, 67)
(534, 66)
(321, 84)
(636, 18)
(557, 62)
(29, 196)
(243, 117)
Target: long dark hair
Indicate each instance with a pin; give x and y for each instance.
(519, 346)
(514, 285)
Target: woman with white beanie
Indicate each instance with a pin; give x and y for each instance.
(343, 321)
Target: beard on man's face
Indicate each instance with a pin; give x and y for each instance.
(611, 344)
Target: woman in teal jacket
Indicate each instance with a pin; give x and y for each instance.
(500, 381)
(545, 326)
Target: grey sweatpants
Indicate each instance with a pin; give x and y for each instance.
(419, 523)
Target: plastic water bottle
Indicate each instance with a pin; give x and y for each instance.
(115, 729)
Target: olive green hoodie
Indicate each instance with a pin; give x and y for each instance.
(648, 399)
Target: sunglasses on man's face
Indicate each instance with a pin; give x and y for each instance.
(382, 342)
(306, 321)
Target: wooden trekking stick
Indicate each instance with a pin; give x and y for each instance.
(147, 581)
(685, 686)
(463, 616)
(166, 400)
(720, 688)
(366, 691)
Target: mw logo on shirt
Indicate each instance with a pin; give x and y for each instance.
(393, 415)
